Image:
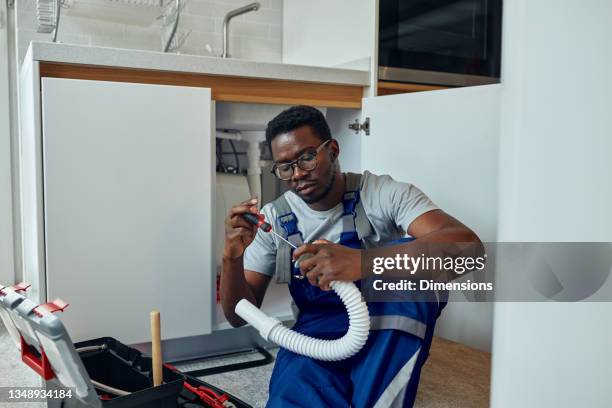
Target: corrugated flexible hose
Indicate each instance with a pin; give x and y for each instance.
(348, 345)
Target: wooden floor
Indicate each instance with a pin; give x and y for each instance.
(454, 376)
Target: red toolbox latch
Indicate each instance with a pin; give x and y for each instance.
(58, 305)
(21, 287)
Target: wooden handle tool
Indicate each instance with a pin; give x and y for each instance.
(156, 351)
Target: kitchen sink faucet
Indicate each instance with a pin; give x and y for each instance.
(226, 20)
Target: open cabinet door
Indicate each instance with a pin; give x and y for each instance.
(446, 143)
(128, 188)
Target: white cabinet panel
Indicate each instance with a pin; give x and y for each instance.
(30, 169)
(446, 143)
(127, 172)
(555, 186)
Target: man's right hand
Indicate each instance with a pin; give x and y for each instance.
(239, 233)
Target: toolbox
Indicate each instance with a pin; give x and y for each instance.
(95, 373)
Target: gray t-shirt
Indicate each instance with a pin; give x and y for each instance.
(389, 205)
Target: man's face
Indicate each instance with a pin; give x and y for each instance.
(312, 185)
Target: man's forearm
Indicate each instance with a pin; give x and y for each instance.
(234, 287)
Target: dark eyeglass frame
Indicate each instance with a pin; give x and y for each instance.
(296, 162)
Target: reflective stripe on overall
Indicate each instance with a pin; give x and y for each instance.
(384, 373)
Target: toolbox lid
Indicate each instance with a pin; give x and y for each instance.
(44, 342)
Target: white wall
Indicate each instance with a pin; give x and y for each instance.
(327, 33)
(555, 185)
(256, 35)
(6, 213)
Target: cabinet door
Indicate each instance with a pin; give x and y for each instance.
(446, 143)
(127, 172)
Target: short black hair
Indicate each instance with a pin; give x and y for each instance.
(296, 117)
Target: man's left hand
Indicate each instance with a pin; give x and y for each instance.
(329, 262)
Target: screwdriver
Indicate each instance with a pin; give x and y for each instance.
(261, 223)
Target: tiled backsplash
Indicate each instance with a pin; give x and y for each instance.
(255, 36)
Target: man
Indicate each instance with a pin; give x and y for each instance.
(343, 213)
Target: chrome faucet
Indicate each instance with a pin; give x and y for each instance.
(226, 20)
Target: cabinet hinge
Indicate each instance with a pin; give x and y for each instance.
(357, 127)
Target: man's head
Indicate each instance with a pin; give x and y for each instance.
(305, 155)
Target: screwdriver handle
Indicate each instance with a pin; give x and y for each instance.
(258, 220)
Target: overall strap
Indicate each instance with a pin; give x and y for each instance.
(287, 221)
(349, 236)
(353, 184)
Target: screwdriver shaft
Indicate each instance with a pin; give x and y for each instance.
(281, 237)
(260, 223)
(290, 244)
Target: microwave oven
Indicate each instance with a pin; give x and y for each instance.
(440, 42)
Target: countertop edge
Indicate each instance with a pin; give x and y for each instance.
(158, 61)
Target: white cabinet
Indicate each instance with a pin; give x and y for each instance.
(555, 186)
(118, 187)
(127, 173)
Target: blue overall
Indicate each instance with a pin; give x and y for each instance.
(384, 373)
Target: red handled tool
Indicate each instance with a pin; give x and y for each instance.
(208, 396)
(258, 220)
(261, 223)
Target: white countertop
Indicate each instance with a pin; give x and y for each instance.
(151, 60)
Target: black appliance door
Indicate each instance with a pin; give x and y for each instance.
(452, 36)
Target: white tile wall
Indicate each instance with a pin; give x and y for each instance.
(255, 36)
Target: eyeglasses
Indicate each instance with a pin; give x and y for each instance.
(307, 162)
